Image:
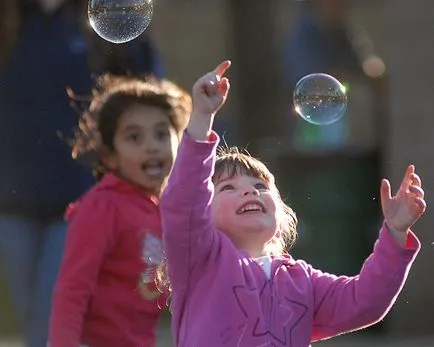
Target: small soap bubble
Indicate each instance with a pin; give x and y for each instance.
(320, 99)
(120, 21)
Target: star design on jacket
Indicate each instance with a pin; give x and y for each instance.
(274, 309)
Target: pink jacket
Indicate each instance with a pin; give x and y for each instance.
(222, 297)
(96, 300)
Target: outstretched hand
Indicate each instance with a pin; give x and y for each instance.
(403, 209)
(209, 94)
(211, 90)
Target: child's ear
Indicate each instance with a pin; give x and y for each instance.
(109, 159)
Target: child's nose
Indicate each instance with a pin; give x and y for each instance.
(251, 191)
(151, 146)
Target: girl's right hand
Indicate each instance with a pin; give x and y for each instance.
(209, 94)
(211, 90)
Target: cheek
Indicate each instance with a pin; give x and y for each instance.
(272, 208)
(125, 152)
(277, 216)
(222, 213)
(272, 203)
(128, 159)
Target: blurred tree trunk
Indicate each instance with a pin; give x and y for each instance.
(256, 74)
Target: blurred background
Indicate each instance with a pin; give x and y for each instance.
(383, 51)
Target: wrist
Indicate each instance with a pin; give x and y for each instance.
(200, 126)
(400, 236)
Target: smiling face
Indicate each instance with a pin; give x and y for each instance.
(246, 204)
(145, 145)
(244, 209)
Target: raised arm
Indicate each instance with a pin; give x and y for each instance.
(344, 304)
(347, 303)
(188, 231)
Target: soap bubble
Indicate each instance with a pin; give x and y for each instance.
(320, 99)
(120, 21)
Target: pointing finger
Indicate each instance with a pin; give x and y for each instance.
(406, 181)
(222, 68)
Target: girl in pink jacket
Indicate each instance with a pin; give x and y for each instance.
(105, 295)
(224, 230)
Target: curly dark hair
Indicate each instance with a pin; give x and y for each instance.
(113, 95)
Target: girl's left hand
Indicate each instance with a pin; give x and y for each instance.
(407, 206)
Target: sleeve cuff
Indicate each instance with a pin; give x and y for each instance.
(389, 244)
(212, 139)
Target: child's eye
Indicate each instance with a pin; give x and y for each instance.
(226, 187)
(261, 186)
(134, 137)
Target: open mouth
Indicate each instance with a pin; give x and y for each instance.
(251, 207)
(153, 168)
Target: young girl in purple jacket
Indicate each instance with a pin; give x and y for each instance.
(224, 229)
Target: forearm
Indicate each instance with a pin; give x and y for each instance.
(399, 236)
(200, 126)
(191, 174)
(187, 228)
(388, 264)
(349, 303)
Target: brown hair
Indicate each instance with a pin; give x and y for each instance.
(110, 99)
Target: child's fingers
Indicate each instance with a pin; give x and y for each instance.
(222, 68)
(210, 88)
(208, 84)
(406, 181)
(416, 180)
(212, 83)
(421, 203)
(224, 85)
(213, 87)
(385, 191)
(416, 190)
